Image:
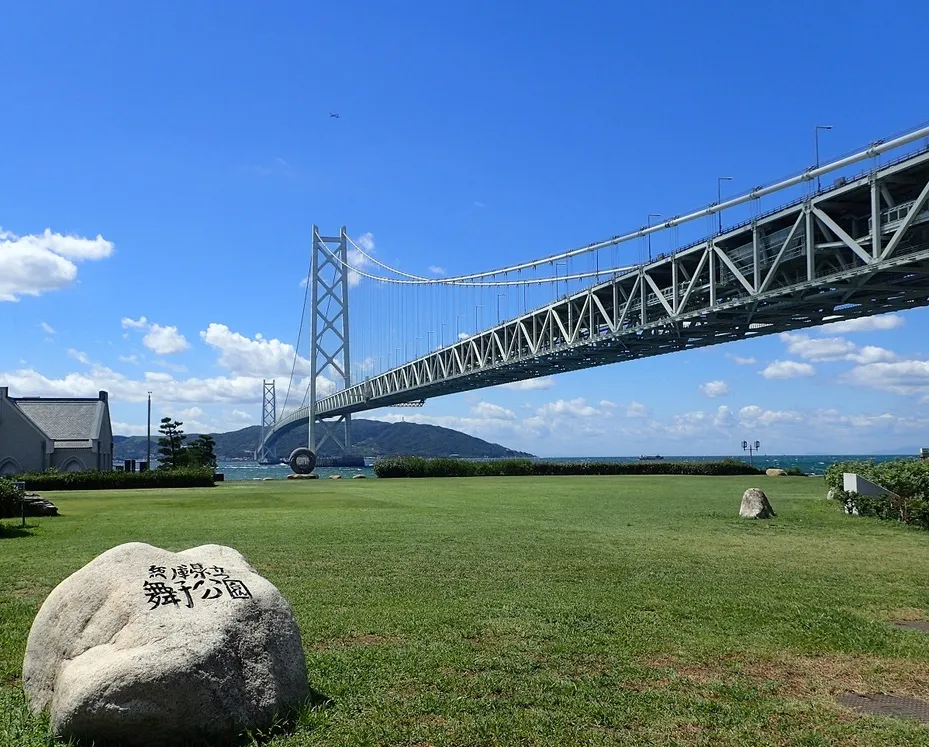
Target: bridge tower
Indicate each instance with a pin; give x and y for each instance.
(329, 338)
(268, 419)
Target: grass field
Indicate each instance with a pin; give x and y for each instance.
(557, 611)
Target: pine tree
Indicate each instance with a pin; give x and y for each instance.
(171, 444)
(201, 453)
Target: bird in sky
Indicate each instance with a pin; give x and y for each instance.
(334, 115)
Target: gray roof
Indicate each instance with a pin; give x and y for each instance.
(65, 420)
(73, 444)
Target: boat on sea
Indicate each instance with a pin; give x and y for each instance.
(653, 458)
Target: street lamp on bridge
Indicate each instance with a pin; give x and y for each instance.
(719, 197)
(649, 237)
(818, 128)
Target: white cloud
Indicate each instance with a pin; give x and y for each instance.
(140, 323)
(636, 410)
(909, 377)
(258, 357)
(165, 340)
(689, 424)
(492, 411)
(716, 388)
(724, 418)
(607, 403)
(221, 389)
(436, 270)
(37, 263)
(530, 385)
(133, 359)
(833, 349)
(787, 370)
(575, 408)
(565, 419)
(478, 204)
(47, 328)
(740, 361)
(827, 349)
(190, 412)
(463, 336)
(873, 354)
(176, 367)
(753, 415)
(864, 324)
(241, 415)
(127, 429)
(78, 356)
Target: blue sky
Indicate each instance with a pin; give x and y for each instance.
(178, 155)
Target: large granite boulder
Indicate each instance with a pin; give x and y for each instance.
(148, 647)
(755, 505)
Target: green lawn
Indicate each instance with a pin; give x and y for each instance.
(557, 611)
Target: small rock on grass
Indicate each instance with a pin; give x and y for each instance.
(755, 505)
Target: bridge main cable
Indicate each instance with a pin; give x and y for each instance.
(875, 149)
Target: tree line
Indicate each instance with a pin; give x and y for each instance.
(173, 453)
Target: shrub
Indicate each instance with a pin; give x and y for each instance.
(907, 481)
(187, 477)
(10, 499)
(905, 477)
(419, 467)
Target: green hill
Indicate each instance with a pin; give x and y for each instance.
(372, 438)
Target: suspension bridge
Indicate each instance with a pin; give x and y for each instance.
(857, 247)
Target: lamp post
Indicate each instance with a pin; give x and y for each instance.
(719, 197)
(818, 128)
(149, 453)
(751, 447)
(649, 237)
(556, 277)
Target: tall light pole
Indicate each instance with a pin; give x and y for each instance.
(149, 457)
(751, 447)
(556, 277)
(719, 197)
(649, 237)
(818, 128)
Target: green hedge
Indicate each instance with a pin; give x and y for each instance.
(419, 467)
(906, 479)
(187, 477)
(10, 499)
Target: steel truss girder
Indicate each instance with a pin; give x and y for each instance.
(798, 267)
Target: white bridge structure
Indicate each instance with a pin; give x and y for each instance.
(857, 248)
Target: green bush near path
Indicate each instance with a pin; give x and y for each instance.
(185, 477)
(419, 467)
(906, 479)
(537, 610)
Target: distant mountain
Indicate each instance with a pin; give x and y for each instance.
(371, 438)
